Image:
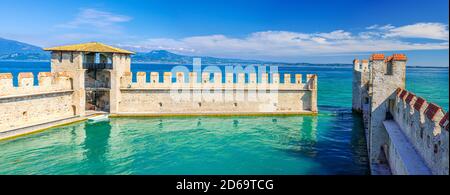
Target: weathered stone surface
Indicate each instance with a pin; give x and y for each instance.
(215, 96)
(28, 104)
(62, 92)
(383, 101)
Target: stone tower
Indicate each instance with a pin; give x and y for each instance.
(360, 84)
(95, 69)
(385, 76)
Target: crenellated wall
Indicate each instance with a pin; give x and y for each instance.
(405, 134)
(221, 95)
(27, 104)
(426, 126)
(96, 78)
(360, 84)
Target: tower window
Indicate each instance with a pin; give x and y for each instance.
(388, 68)
(421, 133)
(60, 57)
(436, 148)
(71, 57)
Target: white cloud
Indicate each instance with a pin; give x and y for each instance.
(337, 34)
(281, 44)
(92, 25)
(378, 27)
(436, 31)
(96, 18)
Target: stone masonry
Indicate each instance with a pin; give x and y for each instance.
(404, 133)
(102, 73)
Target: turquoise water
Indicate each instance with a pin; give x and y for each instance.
(232, 145)
(331, 143)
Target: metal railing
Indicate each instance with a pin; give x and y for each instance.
(97, 65)
(98, 84)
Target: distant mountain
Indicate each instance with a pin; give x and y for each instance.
(15, 50)
(18, 51)
(163, 56)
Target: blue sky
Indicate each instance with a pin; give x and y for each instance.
(292, 31)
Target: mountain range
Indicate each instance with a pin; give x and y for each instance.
(163, 56)
(18, 51)
(15, 50)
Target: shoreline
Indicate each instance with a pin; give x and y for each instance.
(237, 64)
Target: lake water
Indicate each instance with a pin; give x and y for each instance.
(330, 143)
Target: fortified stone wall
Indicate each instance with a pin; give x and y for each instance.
(72, 64)
(426, 127)
(403, 131)
(27, 104)
(188, 95)
(386, 75)
(360, 84)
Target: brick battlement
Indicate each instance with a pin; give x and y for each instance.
(394, 57)
(6, 76)
(47, 82)
(410, 97)
(426, 126)
(430, 110)
(191, 80)
(419, 103)
(391, 112)
(399, 57)
(377, 57)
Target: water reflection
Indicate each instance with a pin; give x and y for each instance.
(343, 131)
(235, 123)
(331, 146)
(359, 142)
(96, 146)
(299, 136)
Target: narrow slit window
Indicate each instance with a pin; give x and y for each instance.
(388, 68)
(60, 57)
(71, 57)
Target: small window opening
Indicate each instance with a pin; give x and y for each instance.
(436, 148)
(421, 133)
(60, 57)
(71, 57)
(389, 69)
